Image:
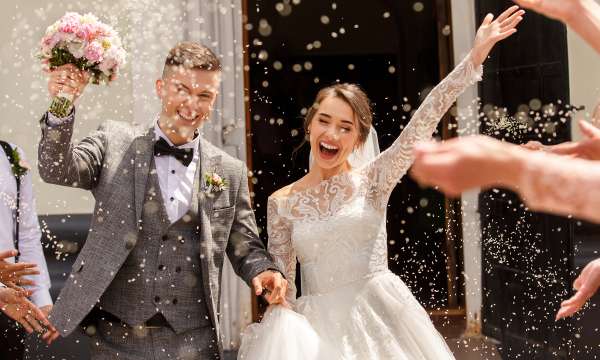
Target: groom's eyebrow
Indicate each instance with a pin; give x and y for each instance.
(179, 83)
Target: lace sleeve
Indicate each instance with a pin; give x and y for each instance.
(388, 168)
(280, 247)
(561, 185)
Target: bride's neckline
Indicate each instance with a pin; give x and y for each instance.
(315, 189)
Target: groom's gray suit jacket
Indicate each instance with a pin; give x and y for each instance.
(114, 163)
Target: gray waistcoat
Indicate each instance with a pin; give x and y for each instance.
(162, 273)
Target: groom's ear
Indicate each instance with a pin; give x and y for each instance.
(158, 86)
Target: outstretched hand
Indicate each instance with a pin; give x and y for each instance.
(588, 148)
(492, 31)
(273, 285)
(12, 275)
(14, 304)
(586, 284)
(461, 164)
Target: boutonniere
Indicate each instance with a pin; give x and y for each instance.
(214, 182)
(19, 167)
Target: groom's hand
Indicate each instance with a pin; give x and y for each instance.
(67, 79)
(272, 284)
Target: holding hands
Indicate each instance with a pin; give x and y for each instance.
(273, 285)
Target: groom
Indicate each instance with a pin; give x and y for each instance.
(168, 206)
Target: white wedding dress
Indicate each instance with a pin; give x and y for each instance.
(352, 306)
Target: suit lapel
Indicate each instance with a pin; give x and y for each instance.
(143, 159)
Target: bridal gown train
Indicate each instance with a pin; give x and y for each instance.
(352, 306)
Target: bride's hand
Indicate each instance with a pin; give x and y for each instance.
(492, 31)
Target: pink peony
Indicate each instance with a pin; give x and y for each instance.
(85, 32)
(94, 52)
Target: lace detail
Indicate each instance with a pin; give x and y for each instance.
(280, 247)
(390, 166)
(337, 228)
(561, 185)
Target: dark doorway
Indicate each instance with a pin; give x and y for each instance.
(390, 48)
(527, 257)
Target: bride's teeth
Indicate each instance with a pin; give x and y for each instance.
(329, 147)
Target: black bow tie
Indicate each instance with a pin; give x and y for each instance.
(162, 147)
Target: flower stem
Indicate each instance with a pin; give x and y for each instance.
(61, 106)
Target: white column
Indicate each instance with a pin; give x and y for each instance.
(464, 28)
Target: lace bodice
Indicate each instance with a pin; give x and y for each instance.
(336, 229)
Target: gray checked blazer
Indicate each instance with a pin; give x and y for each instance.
(113, 163)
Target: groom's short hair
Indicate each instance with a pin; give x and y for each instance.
(191, 55)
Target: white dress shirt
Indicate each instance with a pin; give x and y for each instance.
(175, 179)
(30, 247)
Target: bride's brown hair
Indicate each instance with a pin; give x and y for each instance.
(354, 96)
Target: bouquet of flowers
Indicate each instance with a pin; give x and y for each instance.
(87, 43)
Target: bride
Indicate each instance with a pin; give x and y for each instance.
(333, 222)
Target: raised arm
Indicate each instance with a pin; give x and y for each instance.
(389, 167)
(61, 162)
(546, 182)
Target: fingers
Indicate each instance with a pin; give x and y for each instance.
(67, 79)
(589, 130)
(574, 304)
(50, 336)
(488, 19)
(7, 254)
(512, 23)
(35, 325)
(25, 325)
(279, 289)
(528, 4)
(512, 20)
(25, 282)
(507, 13)
(534, 145)
(568, 148)
(505, 34)
(257, 284)
(275, 296)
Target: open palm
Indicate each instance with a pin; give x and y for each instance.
(493, 30)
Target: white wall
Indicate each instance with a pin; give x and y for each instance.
(584, 77)
(148, 27)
